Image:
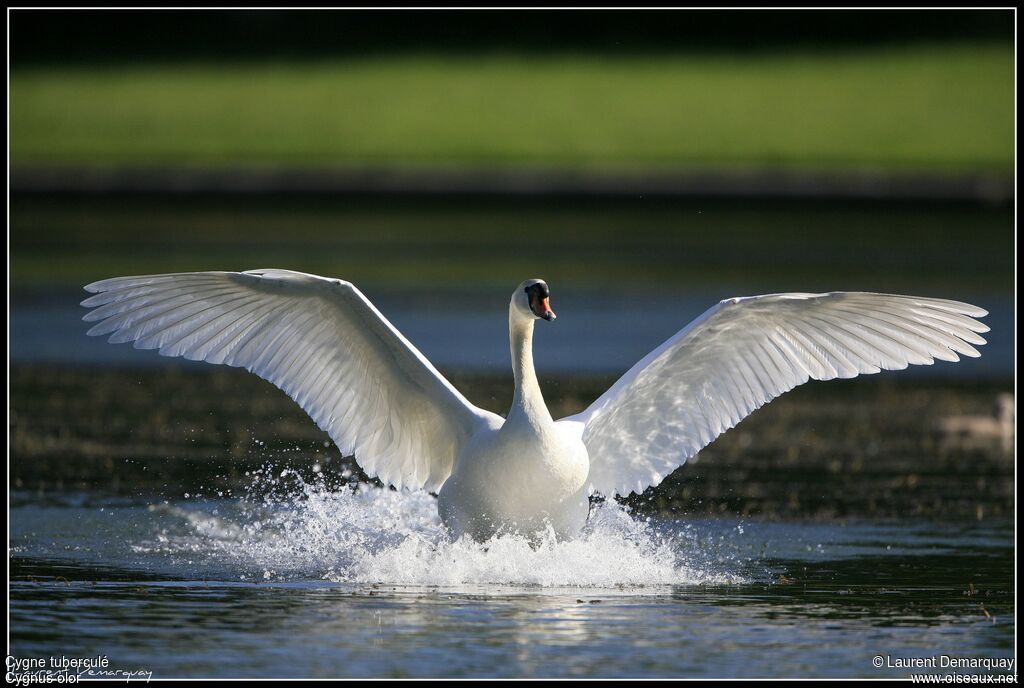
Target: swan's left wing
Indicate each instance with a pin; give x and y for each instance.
(318, 339)
(743, 353)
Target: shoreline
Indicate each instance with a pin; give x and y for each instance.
(762, 183)
(833, 451)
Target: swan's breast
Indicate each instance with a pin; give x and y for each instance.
(518, 465)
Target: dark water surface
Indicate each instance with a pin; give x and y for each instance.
(625, 274)
(365, 584)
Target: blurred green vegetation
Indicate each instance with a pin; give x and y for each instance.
(942, 106)
(396, 242)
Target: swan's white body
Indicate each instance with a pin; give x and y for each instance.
(324, 343)
(527, 473)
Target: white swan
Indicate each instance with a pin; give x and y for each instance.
(321, 341)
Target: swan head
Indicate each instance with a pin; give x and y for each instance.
(532, 300)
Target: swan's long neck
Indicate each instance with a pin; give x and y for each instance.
(527, 401)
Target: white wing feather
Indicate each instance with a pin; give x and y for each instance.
(744, 352)
(318, 339)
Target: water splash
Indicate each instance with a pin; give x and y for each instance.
(363, 534)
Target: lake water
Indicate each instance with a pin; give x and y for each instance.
(597, 331)
(364, 582)
(625, 274)
(310, 582)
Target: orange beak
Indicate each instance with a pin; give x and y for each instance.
(542, 307)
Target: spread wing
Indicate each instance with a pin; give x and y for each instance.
(744, 352)
(318, 339)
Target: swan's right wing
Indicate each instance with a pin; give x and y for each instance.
(321, 341)
(743, 353)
